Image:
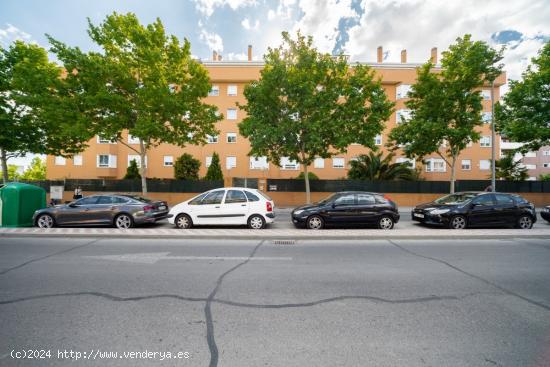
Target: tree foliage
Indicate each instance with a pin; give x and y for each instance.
(376, 167)
(312, 176)
(187, 167)
(446, 104)
(143, 81)
(214, 172)
(307, 104)
(132, 172)
(507, 168)
(524, 115)
(36, 170)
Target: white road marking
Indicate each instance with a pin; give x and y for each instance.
(153, 257)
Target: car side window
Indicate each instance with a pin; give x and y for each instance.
(251, 197)
(365, 199)
(483, 200)
(235, 196)
(118, 200)
(198, 199)
(214, 197)
(105, 200)
(346, 199)
(504, 199)
(90, 200)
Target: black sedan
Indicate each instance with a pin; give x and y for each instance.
(348, 208)
(121, 211)
(545, 213)
(477, 209)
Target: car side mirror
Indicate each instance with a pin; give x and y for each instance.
(334, 205)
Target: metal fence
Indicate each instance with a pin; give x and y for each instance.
(153, 185)
(296, 185)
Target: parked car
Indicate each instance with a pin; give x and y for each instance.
(348, 208)
(225, 206)
(121, 211)
(477, 209)
(545, 213)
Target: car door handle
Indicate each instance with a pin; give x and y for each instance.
(217, 207)
(243, 204)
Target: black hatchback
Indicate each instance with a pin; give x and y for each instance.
(477, 209)
(348, 208)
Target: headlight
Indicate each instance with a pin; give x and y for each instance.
(297, 212)
(439, 211)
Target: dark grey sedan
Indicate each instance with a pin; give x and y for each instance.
(121, 211)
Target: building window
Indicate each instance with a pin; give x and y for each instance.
(402, 91)
(319, 163)
(485, 142)
(102, 140)
(208, 161)
(411, 162)
(137, 158)
(231, 137)
(287, 164)
(230, 162)
(231, 90)
(338, 163)
(378, 140)
(168, 161)
(132, 139)
(484, 164)
(531, 155)
(106, 161)
(531, 166)
(546, 153)
(77, 160)
(212, 139)
(486, 94)
(214, 91)
(546, 165)
(486, 117)
(60, 161)
(231, 113)
(435, 165)
(466, 165)
(258, 163)
(401, 115)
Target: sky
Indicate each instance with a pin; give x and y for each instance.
(353, 27)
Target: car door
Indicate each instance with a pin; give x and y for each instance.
(341, 210)
(77, 212)
(482, 211)
(104, 210)
(367, 209)
(235, 207)
(506, 209)
(209, 209)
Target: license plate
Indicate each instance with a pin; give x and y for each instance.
(162, 207)
(419, 215)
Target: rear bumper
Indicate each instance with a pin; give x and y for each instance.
(151, 218)
(545, 215)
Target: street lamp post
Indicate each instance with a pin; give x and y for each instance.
(493, 138)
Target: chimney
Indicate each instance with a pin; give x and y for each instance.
(434, 55)
(403, 56)
(214, 56)
(249, 52)
(379, 55)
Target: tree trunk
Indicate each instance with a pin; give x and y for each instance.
(4, 158)
(453, 162)
(142, 168)
(306, 178)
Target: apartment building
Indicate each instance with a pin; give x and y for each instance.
(105, 159)
(536, 162)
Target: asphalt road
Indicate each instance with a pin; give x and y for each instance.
(252, 303)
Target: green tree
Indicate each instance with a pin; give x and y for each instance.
(32, 114)
(307, 104)
(446, 105)
(143, 82)
(312, 176)
(12, 173)
(509, 169)
(36, 170)
(375, 167)
(524, 115)
(544, 177)
(214, 172)
(187, 167)
(132, 172)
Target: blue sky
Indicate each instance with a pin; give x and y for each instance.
(354, 27)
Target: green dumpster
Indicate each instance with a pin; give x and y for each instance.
(18, 202)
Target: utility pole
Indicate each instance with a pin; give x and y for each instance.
(493, 138)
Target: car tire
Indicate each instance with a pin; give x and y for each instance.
(45, 221)
(458, 222)
(256, 221)
(386, 222)
(525, 222)
(183, 221)
(315, 222)
(123, 221)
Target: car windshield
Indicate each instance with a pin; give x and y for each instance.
(140, 198)
(456, 198)
(328, 199)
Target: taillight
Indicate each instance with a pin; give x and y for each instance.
(268, 206)
(148, 208)
(387, 198)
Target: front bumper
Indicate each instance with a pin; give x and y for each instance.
(427, 218)
(545, 215)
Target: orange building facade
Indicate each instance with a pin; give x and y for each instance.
(110, 160)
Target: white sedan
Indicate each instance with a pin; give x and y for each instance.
(227, 206)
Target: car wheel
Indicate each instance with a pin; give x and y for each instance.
(315, 222)
(45, 221)
(183, 221)
(256, 222)
(457, 222)
(124, 221)
(525, 222)
(385, 222)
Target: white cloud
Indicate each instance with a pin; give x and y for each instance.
(207, 7)
(246, 24)
(213, 40)
(271, 14)
(12, 33)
